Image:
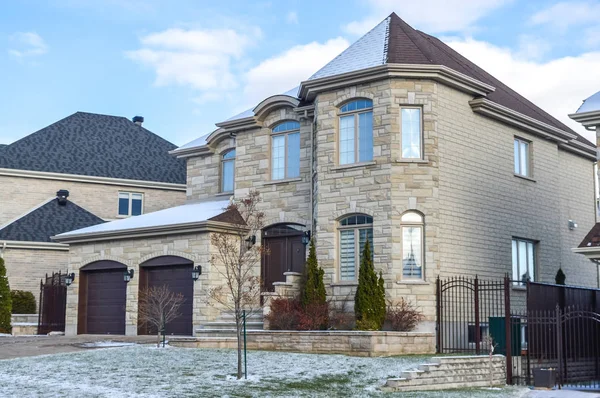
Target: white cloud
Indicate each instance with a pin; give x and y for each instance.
(198, 58)
(558, 86)
(292, 17)
(566, 14)
(531, 47)
(436, 16)
(286, 70)
(27, 44)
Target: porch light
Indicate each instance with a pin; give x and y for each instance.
(196, 272)
(306, 238)
(250, 241)
(127, 275)
(69, 278)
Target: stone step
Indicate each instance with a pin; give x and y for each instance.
(227, 324)
(474, 359)
(450, 378)
(439, 386)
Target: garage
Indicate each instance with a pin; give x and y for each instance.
(102, 296)
(176, 273)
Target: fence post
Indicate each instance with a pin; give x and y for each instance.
(477, 328)
(508, 327)
(438, 324)
(559, 345)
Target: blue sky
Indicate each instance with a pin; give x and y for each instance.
(185, 65)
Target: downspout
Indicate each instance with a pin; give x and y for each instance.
(2, 249)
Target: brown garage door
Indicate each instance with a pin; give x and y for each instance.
(104, 296)
(176, 273)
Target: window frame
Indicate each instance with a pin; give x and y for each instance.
(534, 253)
(421, 226)
(357, 254)
(421, 134)
(222, 170)
(286, 148)
(129, 203)
(528, 159)
(356, 113)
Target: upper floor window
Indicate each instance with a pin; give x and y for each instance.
(285, 151)
(522, 161)
(412, 245)
(228, 171)
(130, 204)
(354, 230)
(356, 132)
(523, 260)
(412, 133)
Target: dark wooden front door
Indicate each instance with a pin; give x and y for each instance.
(106, 295)
(178, 278)
(283, 254)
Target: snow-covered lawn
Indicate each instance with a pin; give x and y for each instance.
(144, 371)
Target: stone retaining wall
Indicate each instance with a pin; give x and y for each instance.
(358, 343)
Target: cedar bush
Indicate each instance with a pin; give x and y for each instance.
(369, 300)
(560, 278)
(403, 316)
(23, 302)
(5, 300)
(315, 310)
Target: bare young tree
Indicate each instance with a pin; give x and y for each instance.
(158, 306)
(237, 261)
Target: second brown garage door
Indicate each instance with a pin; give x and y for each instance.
(176, 273)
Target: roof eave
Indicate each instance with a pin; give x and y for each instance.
(190, 152)
(237, 124)
(592, 252)
(31, 245)
(588, 119)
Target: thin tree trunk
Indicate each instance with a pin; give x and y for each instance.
(158, 339)
(238, 325)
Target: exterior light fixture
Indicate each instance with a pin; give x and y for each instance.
(127, 275)
(69, 278)
(250, 241)
(196, 272)
(572, 225)
(306, 238)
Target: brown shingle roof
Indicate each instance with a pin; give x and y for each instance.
(592, 238)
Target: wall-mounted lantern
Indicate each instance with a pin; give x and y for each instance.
(250, 241)
(69, 278)
(306, 238)
(196, 272)
(572, 225)
(127, 275)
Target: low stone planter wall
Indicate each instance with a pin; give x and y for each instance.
(356, 343)
(24, 324)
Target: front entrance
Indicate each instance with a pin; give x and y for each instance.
(176, 273)
(284, 252)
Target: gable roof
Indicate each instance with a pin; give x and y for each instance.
(96, 145)
(48, 220)
(393, 41)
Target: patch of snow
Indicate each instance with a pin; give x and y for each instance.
(106, 344)
(5, 335)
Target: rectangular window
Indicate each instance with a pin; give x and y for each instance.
(347, 139)
(130, 204)
(523, 261)
(349, 256)
(227, 177)
(521, 154)
(412, 252)
(285, 156)
(411, 133)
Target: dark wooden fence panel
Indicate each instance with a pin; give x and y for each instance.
(53, 304)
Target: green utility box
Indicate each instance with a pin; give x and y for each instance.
(498, 333)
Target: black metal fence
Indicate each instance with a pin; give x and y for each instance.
(53, 304)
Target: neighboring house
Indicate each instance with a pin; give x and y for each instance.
(399, 140)
(105, 167)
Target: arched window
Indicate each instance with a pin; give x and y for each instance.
(356, 132)
(355, 230)
(228, 171)
(285, 150)
(412, 245)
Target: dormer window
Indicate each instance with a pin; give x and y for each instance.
(356, 132)
(285, 150)
(228, 171)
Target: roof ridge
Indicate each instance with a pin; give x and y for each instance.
(409, 31)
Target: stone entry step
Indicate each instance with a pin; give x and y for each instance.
(224, 326)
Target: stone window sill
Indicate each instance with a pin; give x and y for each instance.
(284, 181)
(345, 283)
(519, 288)
(225, 194)
(419, 161)
(353, 165)
(524, 177)
(415, 282)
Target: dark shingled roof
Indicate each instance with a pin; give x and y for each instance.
(49, 220)
(592, 238)
(96, 145)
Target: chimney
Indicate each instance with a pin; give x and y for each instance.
(61, 197)
(138, 120)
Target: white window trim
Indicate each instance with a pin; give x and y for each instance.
(356, 114)
(222, 169)
(129, 206)
(421, 226)
(357, 256)
(529, 173)
(286, 155)
(421, 135)
(534, 265)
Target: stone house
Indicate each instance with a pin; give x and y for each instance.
(398, 140)
(82, 170)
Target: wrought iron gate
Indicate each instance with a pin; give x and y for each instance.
(53, 304)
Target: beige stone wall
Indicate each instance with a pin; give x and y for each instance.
(133, 252)
(482, 205)
(26, 267)
(18, 195)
